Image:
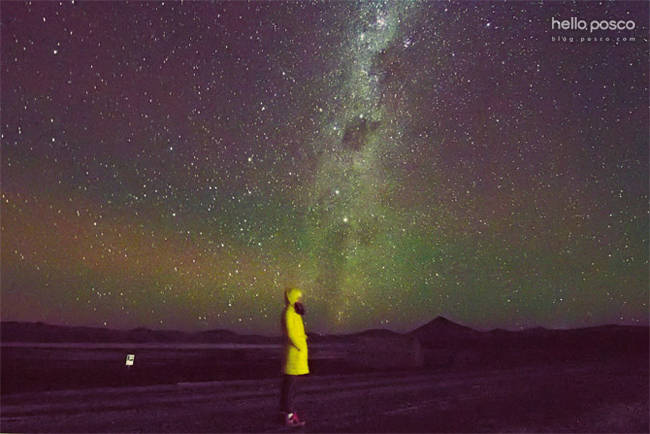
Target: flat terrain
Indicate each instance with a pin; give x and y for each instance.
(564, 397)
(443, 377)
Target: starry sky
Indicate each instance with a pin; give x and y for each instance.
(175, 165)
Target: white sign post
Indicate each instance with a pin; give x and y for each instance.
(130, 358)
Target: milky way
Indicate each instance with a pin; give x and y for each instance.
(176, 165)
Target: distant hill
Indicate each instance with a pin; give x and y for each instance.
(442, 331)
(445, 326)
(376, 333)
(40, 332)
(316, 338)
(11, 331)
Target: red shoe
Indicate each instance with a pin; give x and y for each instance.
(292, 420)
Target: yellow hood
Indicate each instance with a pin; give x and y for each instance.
(291, 295)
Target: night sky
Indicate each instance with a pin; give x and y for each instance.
(176, 165)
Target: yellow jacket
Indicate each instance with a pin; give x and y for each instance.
(294, 360)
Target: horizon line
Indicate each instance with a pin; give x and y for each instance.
(244, 334)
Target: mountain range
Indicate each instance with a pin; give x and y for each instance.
(436, 333)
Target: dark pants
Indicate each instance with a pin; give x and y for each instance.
(288, 394)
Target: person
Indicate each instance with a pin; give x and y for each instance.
(295, 358)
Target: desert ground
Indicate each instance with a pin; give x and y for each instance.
(205, 389)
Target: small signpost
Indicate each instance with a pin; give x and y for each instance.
(130, 358)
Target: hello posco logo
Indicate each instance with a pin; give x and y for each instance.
(575, 24)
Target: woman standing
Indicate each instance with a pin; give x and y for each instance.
(294, 360)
